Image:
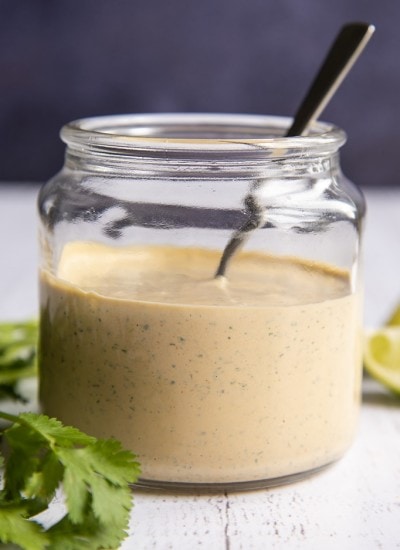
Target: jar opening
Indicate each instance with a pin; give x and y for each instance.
(210, 132)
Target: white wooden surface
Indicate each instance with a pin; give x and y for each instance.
(353, 505)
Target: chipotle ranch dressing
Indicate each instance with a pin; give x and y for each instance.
(207, 381)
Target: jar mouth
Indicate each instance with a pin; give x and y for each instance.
(199, 131)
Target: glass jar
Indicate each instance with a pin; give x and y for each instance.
(228, 370)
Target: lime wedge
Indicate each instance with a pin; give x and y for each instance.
(394, 320)
(382, 356)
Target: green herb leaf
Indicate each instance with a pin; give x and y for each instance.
(17, 356)
(95, 475)
(16, 529)
(104, 469)
(92, 535)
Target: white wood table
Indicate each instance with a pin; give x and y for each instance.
(354, 504)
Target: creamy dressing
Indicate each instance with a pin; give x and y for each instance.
(208, 381)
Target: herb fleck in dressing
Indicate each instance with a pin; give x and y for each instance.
(206, 380)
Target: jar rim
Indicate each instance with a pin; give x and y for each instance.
(213, 132)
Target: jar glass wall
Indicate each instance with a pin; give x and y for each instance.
(240, 380)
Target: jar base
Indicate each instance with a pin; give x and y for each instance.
(232, 486)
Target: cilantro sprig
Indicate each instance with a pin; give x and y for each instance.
(42, 455)
(94, 474)
(17, 356)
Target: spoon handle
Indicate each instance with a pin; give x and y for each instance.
(348, 45)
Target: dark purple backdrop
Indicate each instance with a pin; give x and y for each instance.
(65, 59)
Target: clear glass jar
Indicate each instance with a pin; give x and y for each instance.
(240, 376)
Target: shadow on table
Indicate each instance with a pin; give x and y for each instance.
(375, 394)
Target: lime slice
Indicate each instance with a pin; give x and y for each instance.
(382, 356)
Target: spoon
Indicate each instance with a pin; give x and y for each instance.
(345, 50)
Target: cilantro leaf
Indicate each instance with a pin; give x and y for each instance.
(90, 469)
(95, 476)
(17, 356)
(53, 431)
(92, 535)
(104, 469)
(16, 529)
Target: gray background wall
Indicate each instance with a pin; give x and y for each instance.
(65, 59)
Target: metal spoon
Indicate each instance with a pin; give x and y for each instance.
(345, 50)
